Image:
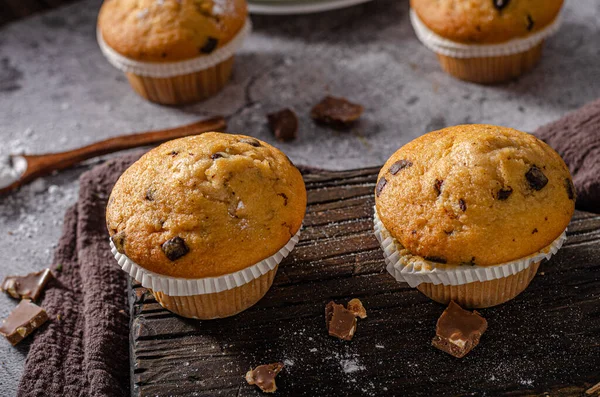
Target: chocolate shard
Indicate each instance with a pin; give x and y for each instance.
(210, 45)
(380, 185)
(570, 189)
(338, 113)
(458, 331)
(284, 125)
(500, 4)
(175, 248)
(263, 376)
(437, 259)
(341, 322)
(251, 142)
(437, 186)
(536, 178)
(22, 321)
(504, 193)
(399, 166)
(357, 308)
(118, 240)
(530, 23)
(26, 287)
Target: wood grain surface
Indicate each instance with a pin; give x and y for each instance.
(544, 342)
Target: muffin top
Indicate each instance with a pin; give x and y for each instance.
(206, 205)
(475, 194)
(169, 30)
(486, 21)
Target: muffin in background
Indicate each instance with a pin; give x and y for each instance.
(173, 51)
(467, 213)
(485, 41)
(204, 221)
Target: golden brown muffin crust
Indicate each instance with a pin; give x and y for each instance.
(169, 30)
(483, 21)
(232, 199)
(475, 194)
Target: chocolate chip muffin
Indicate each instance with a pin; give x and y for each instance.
(207, 206)
(485, 41)
(473, 196)
(173, 51)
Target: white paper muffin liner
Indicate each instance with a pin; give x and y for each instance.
(415, 270)
(171, 69)
(176, 286)
(453, 49)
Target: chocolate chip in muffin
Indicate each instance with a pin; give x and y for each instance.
(174, 153)
(462, 205)
(251, 142)
(570, 188)
(437, 185)
(175, 248)
(536, 178)
(530, 23)
(437, 259)
(534, 231)
(338, 113)
(471, 262)
(150, 194)
(380, 185)
(399, 166)
(284, 124)
(209, 46)
(216, 156)
(285, 198)
(504, 193)
(500, 4)
(119, 241)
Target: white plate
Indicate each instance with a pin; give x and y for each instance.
(300, 7)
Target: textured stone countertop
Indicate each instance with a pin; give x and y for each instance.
(57, 92)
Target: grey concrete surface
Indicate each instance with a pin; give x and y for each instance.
(57, 92)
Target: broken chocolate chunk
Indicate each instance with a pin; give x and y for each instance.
(336, 112)
(263, 376)
(150, 193)
(284, 124)
(504, 193)
(380, 185)
(437, 259)
(251, 142)
(500, 4)
(570, 189)
(399, 166)
(437, 185)
(26, 287)
(118, 240)
(175, 248)
(340, 321)
(210, 45)
(357, 308)
(462, 205)
(530, 22)
(536, 178)
(458, 331)
(22, 321)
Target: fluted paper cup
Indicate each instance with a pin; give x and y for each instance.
(485, 63)
(209, 297)
(470, 286)
(180, 82)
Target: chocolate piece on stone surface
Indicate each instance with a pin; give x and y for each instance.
(263, 376)
(336, 112)
(22, 321)
(458, 330)
(284, 124)
(26, 287)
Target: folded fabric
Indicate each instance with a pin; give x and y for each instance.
(84, 348)
(576, 137)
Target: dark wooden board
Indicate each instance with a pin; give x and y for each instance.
(547, 340)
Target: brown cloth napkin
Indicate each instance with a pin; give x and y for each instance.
(576, 137)
(84, 349)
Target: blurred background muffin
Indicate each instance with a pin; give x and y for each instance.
(173, 51)
(485, 41)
